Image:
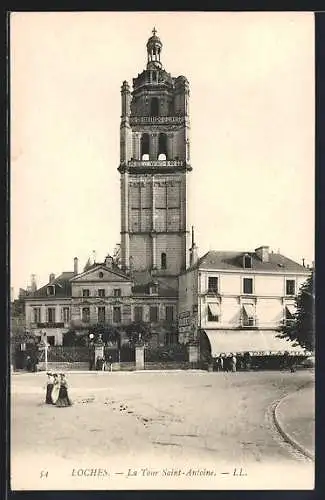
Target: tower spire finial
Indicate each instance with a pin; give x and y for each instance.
(154, 47)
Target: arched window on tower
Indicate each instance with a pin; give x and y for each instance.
(163, 261)
(154, 106)
(145, 147)
(162, 147)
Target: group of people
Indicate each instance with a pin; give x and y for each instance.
(227, 364)
(57, 390)
(101, 364)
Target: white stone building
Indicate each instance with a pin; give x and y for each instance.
(239, 300)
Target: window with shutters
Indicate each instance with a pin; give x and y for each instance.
(66, 314)
(248, 315)
(248, 285)
(101, 314)
(138, 313)
(116, 314)
(51, 314)
(85, 315)
(153, 314)
(213, 284)
(290, 287)
(37, 314)
(213, 312)
(169, 313)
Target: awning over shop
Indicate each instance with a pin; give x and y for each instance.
(256, 342)
(249, 310)
(214, 309)
(290, 309)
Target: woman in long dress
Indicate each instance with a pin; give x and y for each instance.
(56, 388)
(49, 387)
(63, 397)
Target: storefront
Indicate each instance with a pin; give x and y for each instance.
(262, 347)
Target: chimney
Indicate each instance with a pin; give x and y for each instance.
(263, 253)
(51, 277)
(303, 262)
(33, 283)
(75, 265)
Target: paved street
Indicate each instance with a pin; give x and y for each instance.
(170, 423)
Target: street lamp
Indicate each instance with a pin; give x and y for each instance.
(90, 345)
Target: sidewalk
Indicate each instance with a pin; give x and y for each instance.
(295, 419)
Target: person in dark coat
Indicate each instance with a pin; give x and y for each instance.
(220, 365)
(49, 387)
(29, 364)
(63, 399)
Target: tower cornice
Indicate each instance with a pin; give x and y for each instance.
(154, 167)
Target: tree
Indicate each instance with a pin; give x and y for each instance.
(138, 331)
(302, 328)
(72, 338)
(108, 333)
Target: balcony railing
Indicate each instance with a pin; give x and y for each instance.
(50, 325)
(156, 163)
(143, 120)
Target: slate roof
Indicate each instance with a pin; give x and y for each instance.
(233, 261)
(62, 287)
(143, 279)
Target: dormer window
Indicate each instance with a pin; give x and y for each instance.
(50, 290)
(153, 289)
(247, 262)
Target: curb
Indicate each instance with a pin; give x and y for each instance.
(108, 372)
(286, 436)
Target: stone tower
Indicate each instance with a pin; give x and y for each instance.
(154, 168)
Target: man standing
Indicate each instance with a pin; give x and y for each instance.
(233, 362)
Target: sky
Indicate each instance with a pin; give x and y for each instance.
(252, 117)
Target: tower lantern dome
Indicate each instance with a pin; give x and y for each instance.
(154, 47)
